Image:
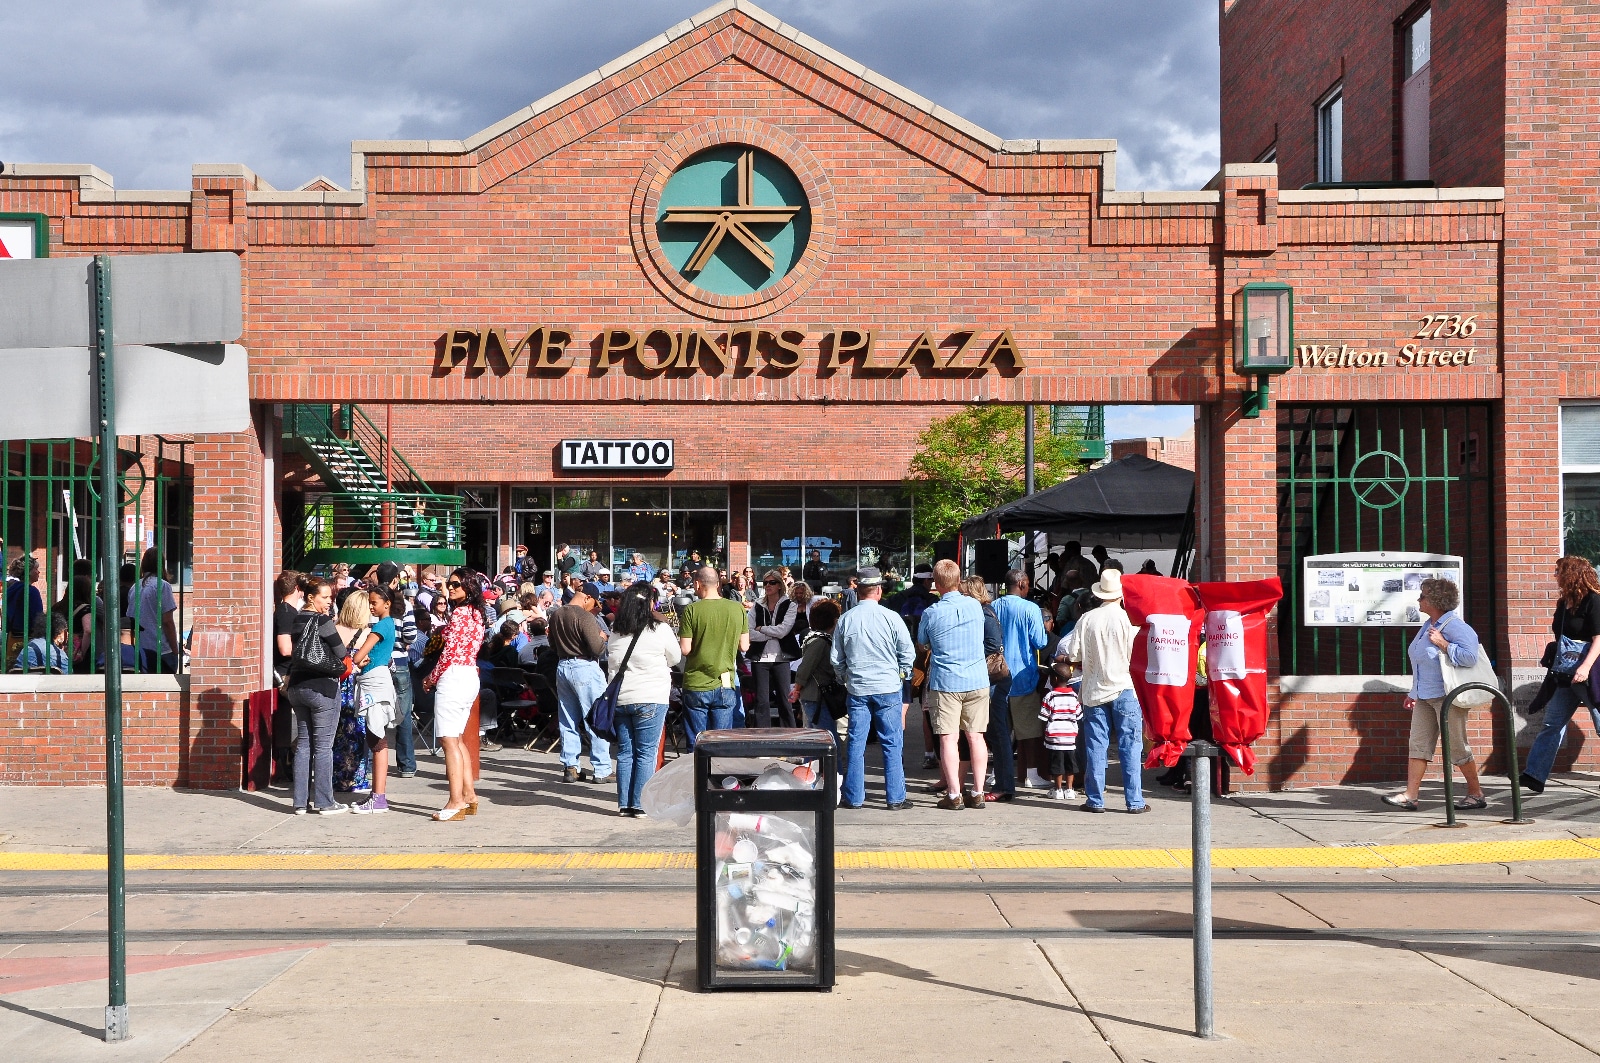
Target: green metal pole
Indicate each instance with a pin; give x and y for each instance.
(111, 639)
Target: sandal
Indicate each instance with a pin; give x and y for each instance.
(1400, 801)
(445, 815)
(1470, 802)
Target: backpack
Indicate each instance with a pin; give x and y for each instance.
(831, 694)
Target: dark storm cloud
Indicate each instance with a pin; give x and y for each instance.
(144, 89)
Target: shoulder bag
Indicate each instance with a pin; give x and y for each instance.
(832, 695)
(312, 659)
(1481, 671)
(602, 716)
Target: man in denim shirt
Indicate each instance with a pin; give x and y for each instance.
(872, 654)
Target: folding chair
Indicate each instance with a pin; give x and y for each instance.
(544, 693)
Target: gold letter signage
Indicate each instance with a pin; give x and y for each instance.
(1434, 351)
(686, 350)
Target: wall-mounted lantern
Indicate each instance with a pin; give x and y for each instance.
(1263, 338)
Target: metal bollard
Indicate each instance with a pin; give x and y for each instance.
(1512, 768)
(1200, 754)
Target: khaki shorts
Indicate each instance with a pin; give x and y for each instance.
(953, 710)
(1025, 722)
(1425, 731)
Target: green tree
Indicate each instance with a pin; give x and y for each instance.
(972, 461)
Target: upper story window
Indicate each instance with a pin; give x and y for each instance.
(1416, 54)
(1418, 43)
(1330, 136)
(1270, 155)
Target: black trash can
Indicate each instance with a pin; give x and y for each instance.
(764, 799)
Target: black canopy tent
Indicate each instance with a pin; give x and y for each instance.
(1136, 502)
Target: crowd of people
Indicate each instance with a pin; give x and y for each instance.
(1028, 689)
(362, 653)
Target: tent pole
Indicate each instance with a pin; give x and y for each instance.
(1027, 482)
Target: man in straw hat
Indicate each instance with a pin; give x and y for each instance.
(1103, 643)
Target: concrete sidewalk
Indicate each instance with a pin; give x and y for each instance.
(525, 807)
(615, 998)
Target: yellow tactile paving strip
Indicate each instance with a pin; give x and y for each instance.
(1434, 854)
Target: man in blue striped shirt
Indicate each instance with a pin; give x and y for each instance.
(957, 690)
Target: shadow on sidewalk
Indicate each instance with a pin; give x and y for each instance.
(77, 1027)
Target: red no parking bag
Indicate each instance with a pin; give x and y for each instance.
(1236, 663)
(1168, 613)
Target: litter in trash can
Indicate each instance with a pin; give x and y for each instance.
(766, 889)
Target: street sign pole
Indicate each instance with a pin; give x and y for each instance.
(111, 643)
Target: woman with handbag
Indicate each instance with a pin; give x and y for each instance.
(454, 682)
(1443, 644)
(816, 685)
(1571, 657)
(316, 666)
(641, 655)
(1002, 757)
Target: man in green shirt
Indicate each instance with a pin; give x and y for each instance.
(712, 633)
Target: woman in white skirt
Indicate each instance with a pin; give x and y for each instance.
(454, 681)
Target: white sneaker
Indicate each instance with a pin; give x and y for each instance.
(332, 810)
(1069, 794)
(1035, 781)
(1058, 795)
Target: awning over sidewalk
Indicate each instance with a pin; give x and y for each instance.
(1131, 498)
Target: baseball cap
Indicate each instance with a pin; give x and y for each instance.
(387, 571)
(591, 588)
(869, 577)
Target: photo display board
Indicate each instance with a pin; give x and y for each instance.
(1370, 589)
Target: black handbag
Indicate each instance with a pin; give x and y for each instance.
(831, 694)
(312, 659)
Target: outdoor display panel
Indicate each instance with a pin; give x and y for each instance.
(1370, 589)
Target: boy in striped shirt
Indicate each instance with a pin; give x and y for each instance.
(1060, 713)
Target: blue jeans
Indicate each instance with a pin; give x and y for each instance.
(578, 684)
(1000, 752)
(882, 713)
(1558, 712)
(317, 717)
(1123, 714)
(405, 738)
(638, 736)
(709, 710)
(817, 716)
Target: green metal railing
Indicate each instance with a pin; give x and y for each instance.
(1395, 477)
(360, 516)
(1088, 423)
(50, 524)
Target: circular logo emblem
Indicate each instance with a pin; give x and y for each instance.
(1380, 479)
(733, 220)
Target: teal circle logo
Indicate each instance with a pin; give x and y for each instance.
(733, 220)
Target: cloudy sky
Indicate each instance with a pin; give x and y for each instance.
(145, 88)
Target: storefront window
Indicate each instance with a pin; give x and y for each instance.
(637, 531)
(705, 531)
(848, 526)
(1580, 481)
(664, 525)
(774, 538)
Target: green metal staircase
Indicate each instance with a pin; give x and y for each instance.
(361, 517)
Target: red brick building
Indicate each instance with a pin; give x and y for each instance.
(738, 241)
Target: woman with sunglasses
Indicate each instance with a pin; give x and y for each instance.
(454, 682)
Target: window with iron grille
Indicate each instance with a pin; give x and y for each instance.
(1401, 477)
